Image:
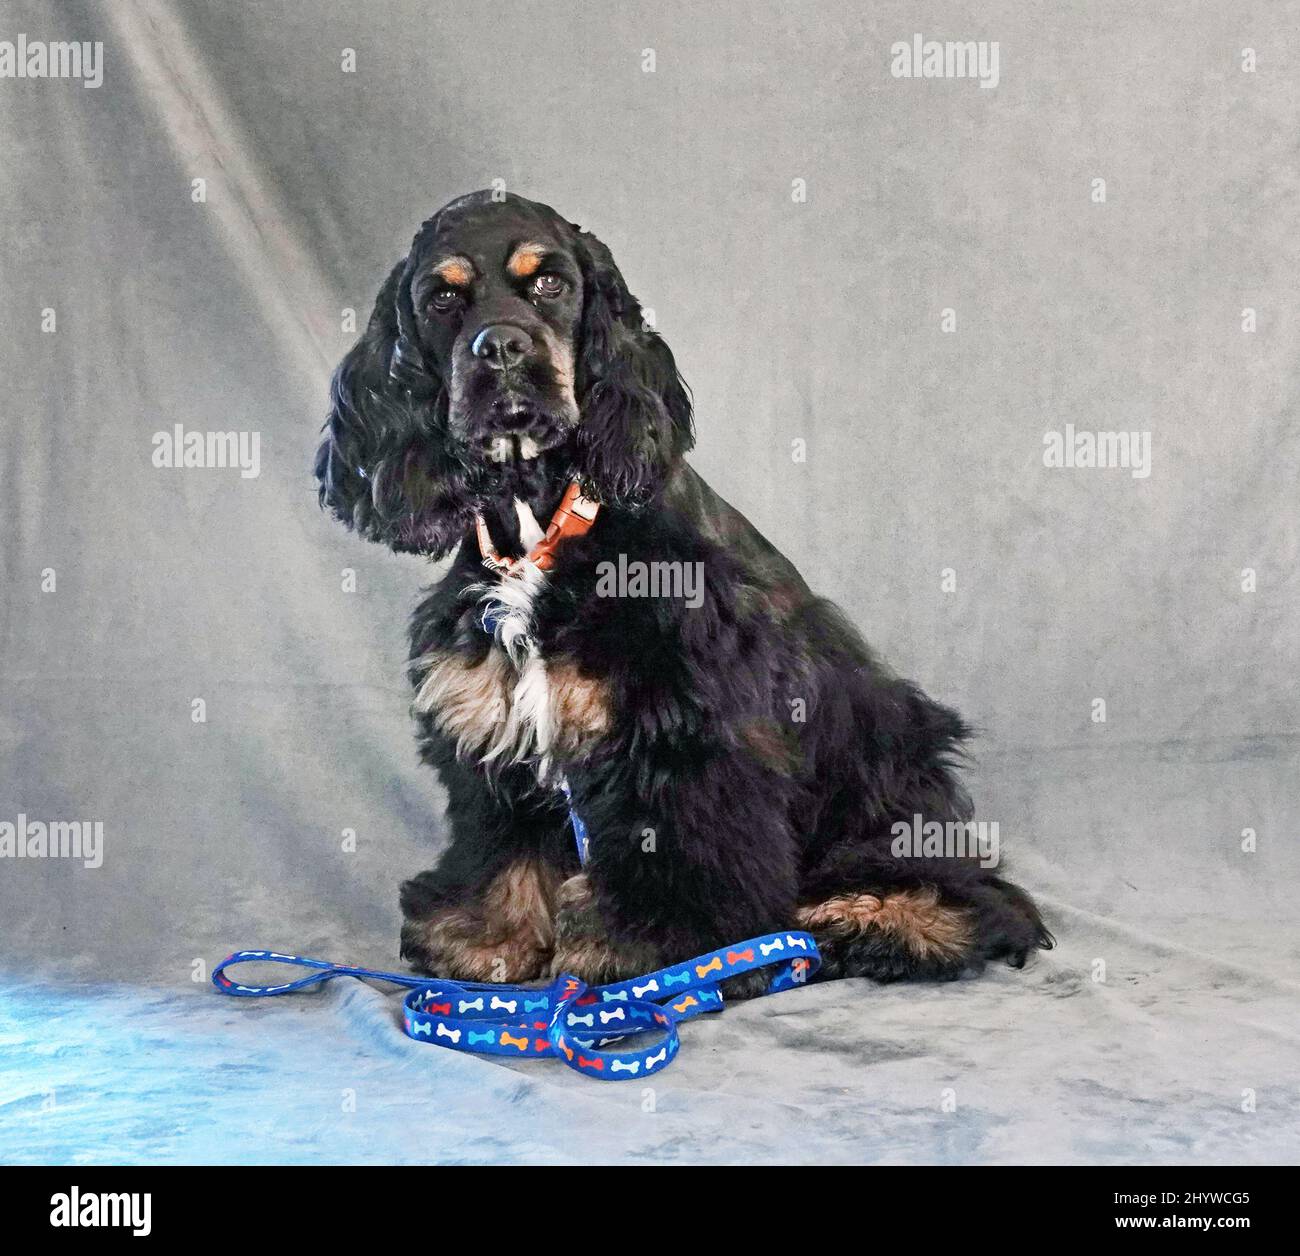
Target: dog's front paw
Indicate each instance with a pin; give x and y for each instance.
(583, 945)
(459, 944)
(505, 936)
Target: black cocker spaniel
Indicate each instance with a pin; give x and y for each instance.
(737, 759)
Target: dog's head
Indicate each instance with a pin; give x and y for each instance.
(504, 351)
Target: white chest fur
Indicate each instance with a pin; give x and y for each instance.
(513, 706)
(527, 730)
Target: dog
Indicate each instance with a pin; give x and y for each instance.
(734, 762)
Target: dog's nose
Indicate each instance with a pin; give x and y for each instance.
(502, 345)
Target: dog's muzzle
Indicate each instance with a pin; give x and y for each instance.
(511, 401)
(513, 446)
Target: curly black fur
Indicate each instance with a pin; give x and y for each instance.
(716, 812)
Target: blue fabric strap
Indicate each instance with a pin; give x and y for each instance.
(567, 1018)
(575, 822)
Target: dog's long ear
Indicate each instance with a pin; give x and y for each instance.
(384, 466)
(635, 410)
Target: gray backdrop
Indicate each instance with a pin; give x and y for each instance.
(1165, 1025)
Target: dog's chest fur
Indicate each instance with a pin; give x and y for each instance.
(514, 705)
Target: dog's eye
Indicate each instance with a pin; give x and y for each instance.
(444, 299)
(549, 286)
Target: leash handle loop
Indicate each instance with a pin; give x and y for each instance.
(322, 971)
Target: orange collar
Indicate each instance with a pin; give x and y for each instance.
(573, 517)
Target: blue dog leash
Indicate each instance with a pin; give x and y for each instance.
(567, 1018)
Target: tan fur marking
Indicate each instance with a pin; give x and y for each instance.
(580, 706)
(506, 938)
(469, 701)
(927, 927)
(849, 913)
(522, 899)
(561, 357)
(582, 946)
(457, 271)
(526, 260)
(475, 702)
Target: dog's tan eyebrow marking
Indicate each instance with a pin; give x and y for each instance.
(526, 260)
(457, 271)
